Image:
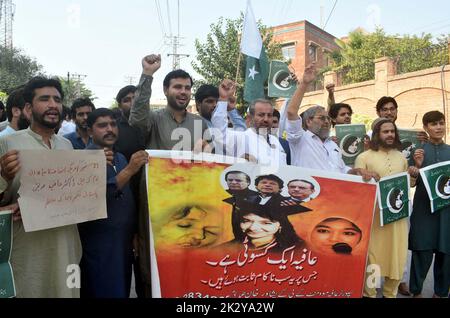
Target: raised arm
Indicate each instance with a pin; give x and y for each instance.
(331, 100)
(294, 105)
(141, 115)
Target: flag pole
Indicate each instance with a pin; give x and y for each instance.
(239, 61)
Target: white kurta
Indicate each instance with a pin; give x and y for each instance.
(40, 260)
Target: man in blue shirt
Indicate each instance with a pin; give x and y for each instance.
(106, 264)
(81, 108)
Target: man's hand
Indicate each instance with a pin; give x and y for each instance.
(151, 64)
(137, 161)
(10, 165)
(422, 137)
(227, 89)
(109, 154)
(15, 211)
(250, 158)
(414, 172)
(310, 74)
(366, 175)
(419, 157)
(330, 88)
(335, 140)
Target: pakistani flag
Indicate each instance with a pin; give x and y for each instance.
(437, 182)
(393, 198)
(257, 70)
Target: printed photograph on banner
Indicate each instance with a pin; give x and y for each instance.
(281, 82)
(394, 198)
(245, 231)
(351, 141)
(7, 287)
(437, 182)
(409, 141)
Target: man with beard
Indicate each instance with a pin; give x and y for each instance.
(172, 128)
(206, 100)
(18, 117)
(39, 259)
(81, 108)
(312, 147)
(106, 264)
(388, 244)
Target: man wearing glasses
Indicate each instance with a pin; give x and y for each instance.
(311, 144)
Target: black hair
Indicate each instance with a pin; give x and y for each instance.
(271, 177)
(286, 238)
(386, 100)
(2, 107)
(97, 113)
(15, 99)
(393, 197)
(276, 114)
(29, 91)
(177, 74)
(432, 117)
(442, 182)
(375, 142)
(66, 113)
(124, 92)
(238, 172)
(336, 108)
(350, 140)
(206, 91)
(304, 181)
(81, 102)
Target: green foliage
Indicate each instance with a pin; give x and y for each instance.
(3, 96)
(413, 53)
(74, 89)
(217, 58)
(364, 120)
(16, 68)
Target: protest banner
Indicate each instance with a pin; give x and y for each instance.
(7, 287)
(394, 198)
(248, 231)
(351, 141)
(60, 188)
(437, 182)
(281, 83)
(409, 141)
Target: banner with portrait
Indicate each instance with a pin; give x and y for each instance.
(394, 198)
(241, 230)
(437, 182)
(351, 141)
(281, 83)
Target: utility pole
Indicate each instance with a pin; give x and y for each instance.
(130, 80)
(7, 11)
(174, 42)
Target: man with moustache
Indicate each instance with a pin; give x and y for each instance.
(81, 108)
(106, 264)
(18, 118)
(39, 259)
(388, 244)
(172, 128)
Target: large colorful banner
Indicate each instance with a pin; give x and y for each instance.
(247, 231)
(437, 182)
(7, 288)
(394, 198)
(351, 141)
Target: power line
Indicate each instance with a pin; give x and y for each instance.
(161, 20)
(168, 17)
(331, 13)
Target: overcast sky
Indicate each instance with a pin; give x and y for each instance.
(106, 40)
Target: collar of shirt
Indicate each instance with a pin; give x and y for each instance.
(169, 113)
(39, 137)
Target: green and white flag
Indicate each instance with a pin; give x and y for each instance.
(409, 142)
(281, 83)
(7, 287)
(393, 198)
(437, 182)
(257, 69)
(351, 141)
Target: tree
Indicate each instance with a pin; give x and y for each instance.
(74, 89)
(356, 57)
(16, 68)
(217, 58)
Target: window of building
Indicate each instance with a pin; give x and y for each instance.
(312, 53)
(288, 51)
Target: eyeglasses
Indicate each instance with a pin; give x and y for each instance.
(323, 118)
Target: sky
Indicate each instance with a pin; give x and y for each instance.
(105, 40)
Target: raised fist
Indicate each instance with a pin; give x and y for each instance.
(151, 64)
